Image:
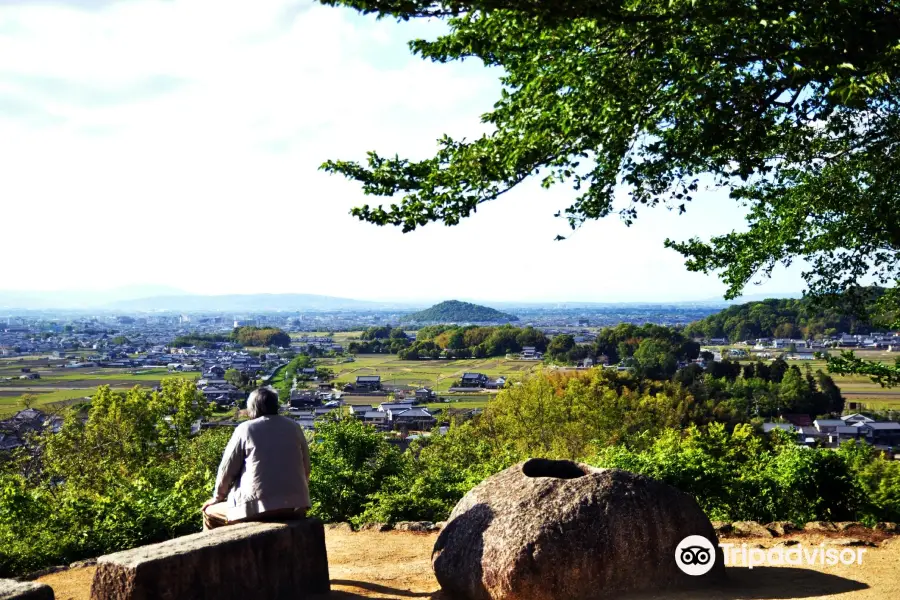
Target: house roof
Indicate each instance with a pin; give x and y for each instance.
(828, 423)
(857, 417)
(414, 413)
(884, 426)
(849, 430)
(375, 414)
(367, 378)
(473, 375)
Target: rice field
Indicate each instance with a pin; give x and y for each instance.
(59, 384)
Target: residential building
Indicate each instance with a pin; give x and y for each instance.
(828, 425)
(473, 380)
(369, 383)
(424, 394)
(375, 417)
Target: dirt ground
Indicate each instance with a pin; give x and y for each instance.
(398, 565)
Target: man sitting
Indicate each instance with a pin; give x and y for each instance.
(264, 474)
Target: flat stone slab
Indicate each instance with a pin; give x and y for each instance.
(24, 590)
(246, 561)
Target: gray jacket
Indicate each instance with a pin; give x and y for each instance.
(265, 467)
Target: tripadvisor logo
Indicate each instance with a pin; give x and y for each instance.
(695, 555)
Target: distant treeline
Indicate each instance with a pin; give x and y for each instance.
(200, 340)
(789, 318)
(261, 336)
(245, 336)
(452, 341)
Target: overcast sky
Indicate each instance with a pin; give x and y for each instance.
(177, 143)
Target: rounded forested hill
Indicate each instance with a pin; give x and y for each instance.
(454, 311)
(785, 318)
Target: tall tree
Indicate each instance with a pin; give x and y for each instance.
(790, 106)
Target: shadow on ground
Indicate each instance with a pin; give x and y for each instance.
(761, 583)
(365, 589)
(765, 583)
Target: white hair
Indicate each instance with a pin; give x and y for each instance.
(262, 402)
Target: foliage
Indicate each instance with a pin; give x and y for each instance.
(130, 474)
(27, 401)
(656, 358)
(782, 318)
(848, 363)
(454, 311)
(743, 476)
(350, 461)
(133, 473)
(569, 415)
(261, 336)
(623, 340)
(240, 379)
(377, 333)
(378, 346)
(789, 107)
(471, 341)
(879, 478)
(436, 472)
(199, 340)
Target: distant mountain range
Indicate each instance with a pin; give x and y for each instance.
(152, 298)
(454, 311)
(250, 303)
(80, 299)
(155, 298)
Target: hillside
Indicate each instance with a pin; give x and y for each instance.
(454, 311)
(782, 318)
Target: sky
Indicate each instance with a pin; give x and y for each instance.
(177, 144)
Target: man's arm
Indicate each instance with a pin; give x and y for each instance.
(304, 446)
(230, 467)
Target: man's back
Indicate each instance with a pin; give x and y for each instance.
(275, 468)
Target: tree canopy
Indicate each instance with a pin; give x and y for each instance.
(782, 318)
(261, 336)
(454, 311)
(791, 106)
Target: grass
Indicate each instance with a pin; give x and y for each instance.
(278, 377)
(58, 383)
(10, 404)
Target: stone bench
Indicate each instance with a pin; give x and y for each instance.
(246, 561)
(17, 590)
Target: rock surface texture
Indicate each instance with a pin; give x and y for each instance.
(557, 529)
(248, 561)
(16, 590)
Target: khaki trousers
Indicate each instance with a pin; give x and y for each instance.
(216, 515)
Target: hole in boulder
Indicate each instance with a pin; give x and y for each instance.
(560, 469)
